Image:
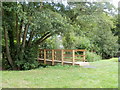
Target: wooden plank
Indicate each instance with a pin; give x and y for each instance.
(73, 60)
(57, 49)
(52, 57)
(64, 49)
(67, 55)
(44, 56)
(68, 50)
(84, 57)
(67, 62)
(48, 49)
(79, 55)
(62, 57)
(79, 50)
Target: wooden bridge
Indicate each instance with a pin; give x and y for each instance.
(63, 56)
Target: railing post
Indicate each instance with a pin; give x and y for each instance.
(62, 56)
(52, 57)
(84, 56)
(73, 57)
(44, 56)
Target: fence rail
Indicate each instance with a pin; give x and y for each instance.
(63, 55)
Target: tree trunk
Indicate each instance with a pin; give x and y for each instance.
(7, 49)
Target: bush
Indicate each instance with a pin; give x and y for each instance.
(105, 42)
(28, 59)
(83, 42)
(92, 56)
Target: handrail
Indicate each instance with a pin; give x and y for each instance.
(66, 49)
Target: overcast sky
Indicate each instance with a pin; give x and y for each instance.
(115, 2)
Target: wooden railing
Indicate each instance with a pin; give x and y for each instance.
(71, 55)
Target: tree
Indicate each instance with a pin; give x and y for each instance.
(92, 29)
(81, 25)
(25, 27)
(116, 29)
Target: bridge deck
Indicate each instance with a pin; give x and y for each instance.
(64, 62)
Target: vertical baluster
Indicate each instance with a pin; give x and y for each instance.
(52, 57)
(73, 57)
(62, 52)
(84, 56)
(44, 56)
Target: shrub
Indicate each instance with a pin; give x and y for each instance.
(84, 43)
(92, 56)
(28, 59)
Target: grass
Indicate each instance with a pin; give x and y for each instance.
(105, 75)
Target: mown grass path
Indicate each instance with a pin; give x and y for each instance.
(105, 75)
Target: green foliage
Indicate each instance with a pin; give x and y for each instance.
(116, 30)
(28, 59)
(106, 42)
(49, 21)
(84, 43)
(27, 26)
(92, 29)
(69, 40)
(92, 56)
(53, 42)
(5, 64)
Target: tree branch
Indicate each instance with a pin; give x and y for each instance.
(25, 35)
(20, 32)
(17, 31)
(44, 36)
(31, 36)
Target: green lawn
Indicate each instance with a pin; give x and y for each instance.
(105, 75)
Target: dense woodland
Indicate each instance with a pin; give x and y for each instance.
(84, 25)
